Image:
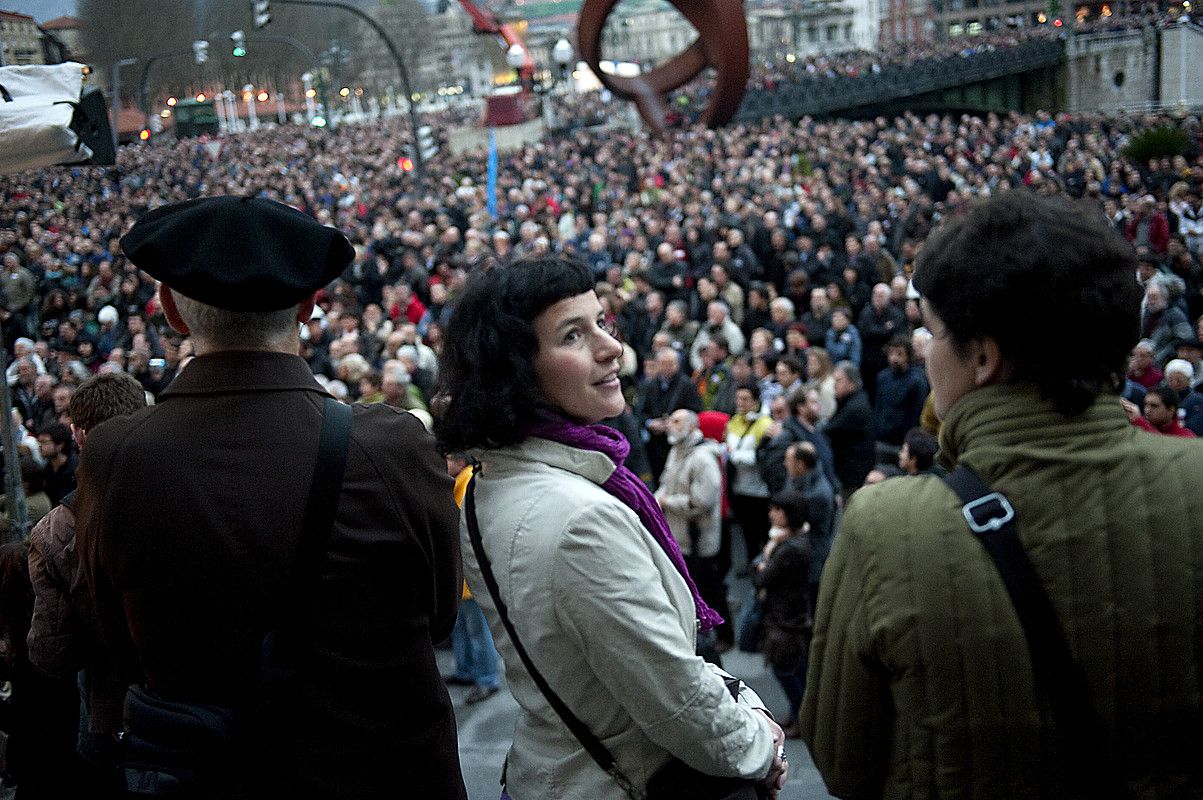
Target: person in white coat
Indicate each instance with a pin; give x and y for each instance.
(595, 586)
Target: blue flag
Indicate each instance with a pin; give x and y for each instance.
(491, 184)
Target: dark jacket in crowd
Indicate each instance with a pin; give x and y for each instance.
(189, 546)
(659, 399)
(788, 617)
(820, 500)
(850, 431)
(900, 399)
(770, 457)
(876, 329)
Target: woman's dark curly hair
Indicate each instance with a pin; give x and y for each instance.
(1036, 273)
(487, 368)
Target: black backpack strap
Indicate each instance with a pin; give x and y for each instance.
(596, 750)
(991, 517)
(318, 522)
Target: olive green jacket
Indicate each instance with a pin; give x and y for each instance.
(920, 683)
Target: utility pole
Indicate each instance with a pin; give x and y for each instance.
(419, 162)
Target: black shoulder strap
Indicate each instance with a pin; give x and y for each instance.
(318, 522)
(991, 517)
(596, 750)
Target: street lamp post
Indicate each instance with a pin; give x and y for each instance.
(248, 94)
(310, 107)
(563, 55)
(234, 122)
(515, 57)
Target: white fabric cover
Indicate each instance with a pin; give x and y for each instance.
(35, 128)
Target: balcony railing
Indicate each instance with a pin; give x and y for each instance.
(820, 95)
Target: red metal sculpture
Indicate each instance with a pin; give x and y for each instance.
(722, 43)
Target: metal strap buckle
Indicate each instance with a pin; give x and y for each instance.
(996, 516)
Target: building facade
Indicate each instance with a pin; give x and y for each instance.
(973, 17)
(810, 28)
(20, 40)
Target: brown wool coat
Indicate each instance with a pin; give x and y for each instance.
(187, 517)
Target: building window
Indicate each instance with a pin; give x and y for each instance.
(832, 30)
(812, 34)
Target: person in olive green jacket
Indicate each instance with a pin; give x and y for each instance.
(921, 684)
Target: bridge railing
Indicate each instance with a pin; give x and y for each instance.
(819, 95)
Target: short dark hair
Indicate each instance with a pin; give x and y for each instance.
(805, 452)
(792, 363)
(1047, 258)
(793, 503)
(902, 342)
(1169, 397)
(59, 433)
(487, 368)
(720, 341)
(103, 397)
(922, 447)
(750, 386)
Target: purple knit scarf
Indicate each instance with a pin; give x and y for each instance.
(626, 486)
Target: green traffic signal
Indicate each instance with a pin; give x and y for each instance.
(239, 52)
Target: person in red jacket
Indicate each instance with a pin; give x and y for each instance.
(1161, 413)
(1148, 226)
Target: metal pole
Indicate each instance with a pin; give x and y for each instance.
(116, 99)
(252, 119)
(419, 162)
(14, 490)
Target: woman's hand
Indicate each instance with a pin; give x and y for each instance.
(775, 780)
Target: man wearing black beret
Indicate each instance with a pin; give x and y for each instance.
(189, 516)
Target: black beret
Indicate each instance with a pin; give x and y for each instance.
(237, 253)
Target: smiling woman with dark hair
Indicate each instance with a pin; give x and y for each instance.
(590, 579)
(923, 682)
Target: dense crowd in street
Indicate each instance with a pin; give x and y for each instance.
(764, 252)
(758, 282)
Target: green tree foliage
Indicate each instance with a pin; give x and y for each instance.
(1157, 143)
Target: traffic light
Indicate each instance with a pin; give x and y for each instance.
(405, 163)
(239, 40)
(428, 146)
(262, 12)
(200, 48)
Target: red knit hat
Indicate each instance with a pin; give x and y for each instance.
(713, 425)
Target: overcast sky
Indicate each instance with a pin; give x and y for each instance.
(41, 10)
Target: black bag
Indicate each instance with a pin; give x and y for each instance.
(168, 748)
(676, 780)
(172, 749)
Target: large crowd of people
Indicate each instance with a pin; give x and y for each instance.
(758, 278)
(745, 251)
